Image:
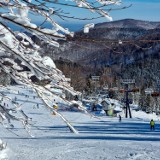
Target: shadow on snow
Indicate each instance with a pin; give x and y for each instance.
(103, 130)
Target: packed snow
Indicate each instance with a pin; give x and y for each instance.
(100, 137)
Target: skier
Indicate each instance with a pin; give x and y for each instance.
(94, 108)
(152, 124)
(76, 98)
(55, 106)
(120, 118)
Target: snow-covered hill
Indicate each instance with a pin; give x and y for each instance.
(99, 138)
(130, 23)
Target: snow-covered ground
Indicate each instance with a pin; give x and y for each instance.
(101, 138)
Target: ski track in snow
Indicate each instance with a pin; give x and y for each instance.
(98, 139)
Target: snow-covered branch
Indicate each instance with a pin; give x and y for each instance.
(20, 57)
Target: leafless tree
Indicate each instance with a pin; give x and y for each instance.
(18, 51)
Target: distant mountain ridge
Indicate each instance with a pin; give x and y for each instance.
(101, 45)
(129, 23)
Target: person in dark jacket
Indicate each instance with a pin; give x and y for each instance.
(120, 118)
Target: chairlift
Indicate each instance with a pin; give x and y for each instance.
(155, 94)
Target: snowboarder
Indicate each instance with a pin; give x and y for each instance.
(152, 124)
(120, 118)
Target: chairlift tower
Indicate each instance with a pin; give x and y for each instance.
(126, 83)
(156, 94)
(95, 79)
(158, 86)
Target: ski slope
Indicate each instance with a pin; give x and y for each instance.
(102, 138)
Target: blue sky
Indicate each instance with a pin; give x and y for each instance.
(140, 9)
